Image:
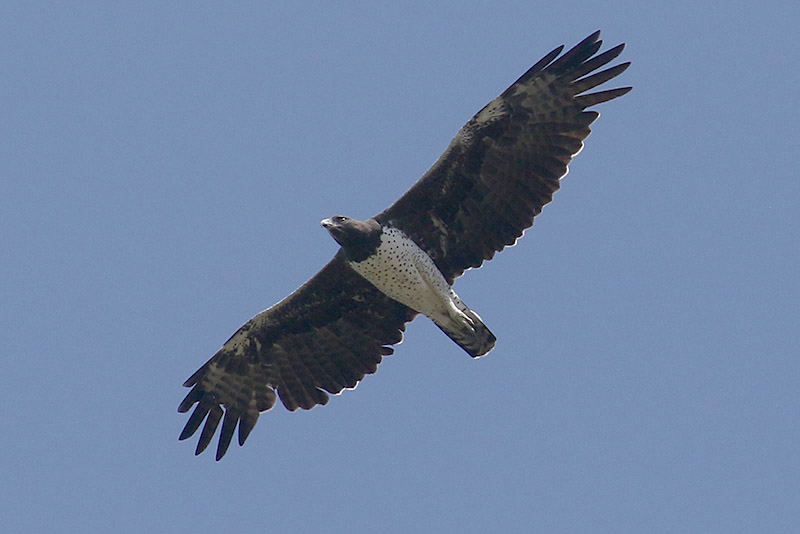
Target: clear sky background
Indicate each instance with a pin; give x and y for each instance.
(164, 170)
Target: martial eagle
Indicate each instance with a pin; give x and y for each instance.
(499, 171)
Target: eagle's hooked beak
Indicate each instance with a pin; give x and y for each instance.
(334, 229)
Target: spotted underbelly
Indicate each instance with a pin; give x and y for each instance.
(404, 272)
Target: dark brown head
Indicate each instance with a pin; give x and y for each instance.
(359, 239)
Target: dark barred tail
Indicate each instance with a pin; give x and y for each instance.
(477, 340)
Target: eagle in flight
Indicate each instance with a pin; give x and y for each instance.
(499, 171)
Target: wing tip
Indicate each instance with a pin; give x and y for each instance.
(212, 416)
(592, 99)
(624, 90)
(589, 40)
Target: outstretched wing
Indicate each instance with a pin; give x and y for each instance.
(505, 164)
(322, 338)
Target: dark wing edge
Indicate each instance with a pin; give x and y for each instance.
(505, 164)
(324, 337)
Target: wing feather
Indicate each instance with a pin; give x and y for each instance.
(324, 337)
(505, 164)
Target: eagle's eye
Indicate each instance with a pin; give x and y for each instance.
(339, 219)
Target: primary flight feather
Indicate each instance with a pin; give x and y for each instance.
(499, 171)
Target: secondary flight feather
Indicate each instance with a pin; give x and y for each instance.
(499, 171)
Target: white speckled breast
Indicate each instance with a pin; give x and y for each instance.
(404, 272)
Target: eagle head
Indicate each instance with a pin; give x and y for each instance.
(358, 238)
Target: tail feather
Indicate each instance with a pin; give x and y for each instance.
(476, 339)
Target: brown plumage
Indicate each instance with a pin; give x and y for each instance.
(326, 335)
(504, 165)
(499, 171)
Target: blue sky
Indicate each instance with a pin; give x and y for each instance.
(164, 170)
